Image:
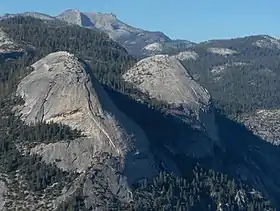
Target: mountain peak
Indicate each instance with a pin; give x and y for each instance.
(72, 10)
(164, 78)
(267, 41)
(76, 17)
(158, 71)
(117, 30)
(61, 89)
(103, 14)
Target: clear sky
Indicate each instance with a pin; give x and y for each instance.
(195, 20)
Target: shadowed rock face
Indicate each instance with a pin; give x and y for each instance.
(164, 78)
(61, 89)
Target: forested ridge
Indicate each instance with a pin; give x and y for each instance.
(242, 82)
(202, 190)
(107, 58)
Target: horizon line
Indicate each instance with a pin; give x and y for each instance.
(172, 38)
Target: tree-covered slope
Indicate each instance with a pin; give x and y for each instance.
(35, 184)
(107, 58)
(241, 81)
(43, 182)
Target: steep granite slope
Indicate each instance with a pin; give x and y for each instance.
(60, 89)
(163, 78)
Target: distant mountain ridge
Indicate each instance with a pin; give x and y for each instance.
(135, 40)
(140, 42)
(156, 93)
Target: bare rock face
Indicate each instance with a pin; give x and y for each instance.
(3, 191)
(74, 16)
(108, 23)
(222, 51)
(61, 89)
(268, 42)
(7, 45)
(187, 55)
(164, 78)
(265, 124)
(133, 39)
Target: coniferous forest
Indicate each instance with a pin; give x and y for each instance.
(201, 188)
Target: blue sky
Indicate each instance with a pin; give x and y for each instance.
(182, 19)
